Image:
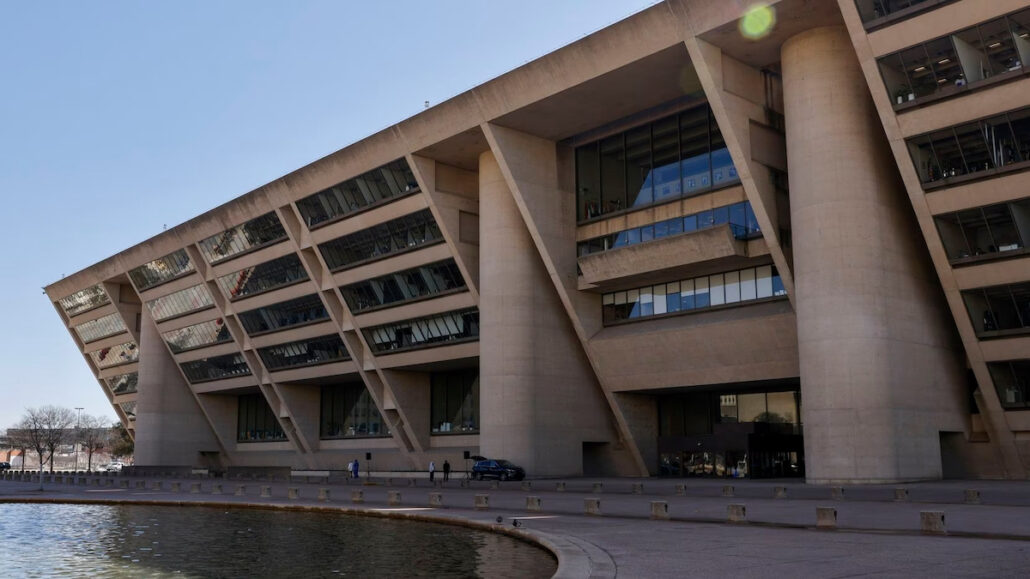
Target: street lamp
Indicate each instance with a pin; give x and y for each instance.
(78, 435)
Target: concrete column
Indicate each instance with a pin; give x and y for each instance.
(171, 430)
(881, 371)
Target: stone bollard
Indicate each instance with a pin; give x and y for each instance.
(69, 480)
(681, 490)
(176, 486)
(83, 481)
(482, 502)
(141, 484)
(59, 479)
(780, 493)
(527, 486)
(494, 485)
(357, 497)
(727, 491)
(533, 504)
(972, 497)
(638, 488)
(560, 487)
(240, 490)
(736, 513)
(96, 482)
(109, 483)
(900, 494)
(157, 485)
(837, 493)
(292, 493)
(825, 518)
(323, 495)
(266, 492)
(660, 510)
(123, 484)
(598, 488)
(932, 523)
(393, 498)
(216, 489)
(412, 482)
(464, 483)
(592, 507)
(194, 488)
(436, 499)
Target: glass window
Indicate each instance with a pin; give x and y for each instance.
(401, 234)
(404, 286)
(389, 181)
(638, 166)
(999, 308)
(115, 355)
(782, 408)
(588, 181)
(732, 285)
(999, 48)
(84, 300)
(215, 368)
(348, 411)
(751, 408)
(985, 231)
(748, 290)
(660, 302)
(973, 147)
(763, 282)
(1020, 122)
(256, 422)
(875, 9)
(702, 296)
(123, 383)
(181, 302)
(686, 301)
(665, 147)
(716, 289)
(454, 399)
(304, 353)
(161, 270)
(723, 171)
(457, 326)
(266, 276)
(284, 315)
(1012, 381)
(100, 328)
(695, 151)
(129, 408)
(613, 174)
(255, 233)
(198, 335)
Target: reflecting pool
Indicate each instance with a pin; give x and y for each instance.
(49, 540)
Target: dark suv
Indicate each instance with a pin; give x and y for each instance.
(5, 465)
(499, 469)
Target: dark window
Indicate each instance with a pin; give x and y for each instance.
(985, 232)
(198, 335)
(457, 326)
(256, 422)
(161, 270)
(348, 411)
(1000, 309)
(872, 10)
(304, 353)
(263, 277)
(255, 233)
(368, 189)
(1012, 381)
(84, 300)
(215, 368)
(455, 402)
(284, 314)
(403, 286)
(396, 236)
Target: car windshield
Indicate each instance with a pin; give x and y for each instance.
(504, 463)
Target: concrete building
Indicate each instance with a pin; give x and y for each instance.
(699, 242)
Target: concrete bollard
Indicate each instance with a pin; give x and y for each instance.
(393, 498)
(69, 480)
(780, 493)
(266, 492)
(638, 488)
(195, 488)
(123, 484)
(900, 494)
(837, 493)
(436, 499)
(932, 523)
(357, 497)
(292, 493)
(736, 513)
(141, 484)
(825, 518)
(176, 486)
(216, 489)
(494, 485)
(109, 483)
(464, 483)
(96, 482)
(323, 495)
(659, 510)
(482, 502)
(533, 504)
(59, 479)
(83, 481)
(592, 507)
(527, 486)
(972, 497)
(727, 491)
(157, 486)
(240, 490)
(560, 487)
(681, 489)
(598, 488)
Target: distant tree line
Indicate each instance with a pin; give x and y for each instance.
(45, 429)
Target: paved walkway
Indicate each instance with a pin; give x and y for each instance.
(876, 535)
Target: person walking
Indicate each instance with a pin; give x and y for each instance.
(354, 468)
(432, 470)
(446, 471)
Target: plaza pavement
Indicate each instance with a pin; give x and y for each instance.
(876, 535)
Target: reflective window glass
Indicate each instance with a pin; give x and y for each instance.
(396, 236)
(255, 233)
(115, 355)
(275, 317)
(588, 181)
(197, 335)
(457, 326)
(123, 383)
(639, 184)
(215, 368)
(613, 174)
(84, 300)
(454, 402)
(348, 411)
(100, 328)
(404, 286)
(256, 422)
(665, 149)
(1012, 381)
(179, 303)
(304, 353)
(129, 408)
(389, 181)
(161, 270)
(273, 274)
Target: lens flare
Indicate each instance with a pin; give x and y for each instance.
(758, 21)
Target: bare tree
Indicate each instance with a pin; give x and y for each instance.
(94, 435)
(47, 428)
(19, 440)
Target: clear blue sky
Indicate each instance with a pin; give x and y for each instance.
(119, 117)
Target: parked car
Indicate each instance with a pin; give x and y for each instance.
(499, 469)
(110, 467)
(5, 465)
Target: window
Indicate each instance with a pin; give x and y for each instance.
(679, 155)
(369, 189)
(84, 300)
(283, 315)
(215, 368)
(455, 402)
(234, 241)
(985, 232)
(999, 310)
(161, 270)
(348, 411)
(873, 10)
(115, 355)
(256, 422)
(123, 383)
(404, 286)
(100, 328)
(263, 277)
(197, 335)
(457, 326)
(1012, 381)
(129, 408)
(393, 237)
(304, 353)
(181, 302)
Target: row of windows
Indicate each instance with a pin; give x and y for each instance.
(454, 402)
(870, 10)
(692, 294)
(410, 284)
(940, 66)
(181, 302)
(123, 383)
(256, 422)
(454, 326)
(284, 314)
(161, 270)
(255, 233)
(263, 277)
(304, 353)
(84, 300)
(1012, 381)
(695, 414)
(215, 368)
(115, 355)
(999, 308)
(739, 216)
(985, 231)
(972, 148)
(129, 408)
(365, 190)
(197, 335)
(100, 328)
(348, 411)
(677, 156)
(395, 236)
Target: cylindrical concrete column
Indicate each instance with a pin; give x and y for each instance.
(880, 373)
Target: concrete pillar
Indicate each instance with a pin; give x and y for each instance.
(527, 486)
(727, 490)
(881, 371)
(293, 493)
(900, 494)
(780, 493)
(825, 518)
(436, 499)
(736, 513)
(357, 497)
(533, 504)
(592, 507)
(972, 497)
(837, 493)
(638, 488)
(266, 492)
(194, 488)
(323, 494)
(932, 523)
(393, 498)
(240, 490)
(659, 510)
(482, 502)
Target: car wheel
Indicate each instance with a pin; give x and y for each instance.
(504, 476)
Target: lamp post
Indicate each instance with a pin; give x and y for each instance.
(78, 414)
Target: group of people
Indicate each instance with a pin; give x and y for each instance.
(353, 468)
